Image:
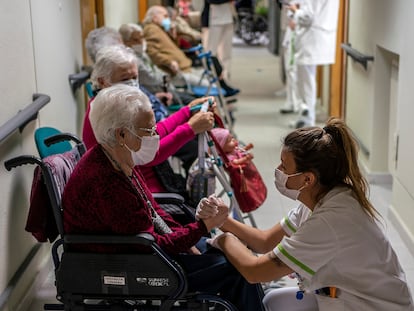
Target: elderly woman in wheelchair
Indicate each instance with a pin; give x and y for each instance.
(107, 194)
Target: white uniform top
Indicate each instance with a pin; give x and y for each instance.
(339, 245)
(316, 25)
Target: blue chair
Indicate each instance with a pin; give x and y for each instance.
(89, 89)
(44, 132)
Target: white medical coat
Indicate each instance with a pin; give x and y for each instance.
(316, 26)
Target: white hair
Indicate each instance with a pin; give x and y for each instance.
(99, 38)
(108, 60)
(151, 12)
(126, 30)
(116, 107)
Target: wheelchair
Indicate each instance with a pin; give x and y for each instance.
(250, 26)
(86, 280)
(210, 65)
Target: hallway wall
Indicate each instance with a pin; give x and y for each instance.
(40, 46)
(383, 29)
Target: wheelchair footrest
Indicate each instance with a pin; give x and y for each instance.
(125, 306)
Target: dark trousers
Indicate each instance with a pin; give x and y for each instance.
(212, 273)
(188, 153)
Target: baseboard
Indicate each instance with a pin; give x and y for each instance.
(31, 294)
(377, 178)
(398, 223)
(401, 228)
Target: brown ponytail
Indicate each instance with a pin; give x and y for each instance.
(331, 154)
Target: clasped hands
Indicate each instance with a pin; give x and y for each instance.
(210, 208)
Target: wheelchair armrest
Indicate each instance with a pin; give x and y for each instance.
(168, 197)
(145, 239)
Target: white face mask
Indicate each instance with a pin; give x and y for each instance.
(130, 82)
(148, 150)
(280, 183)
(140, 48)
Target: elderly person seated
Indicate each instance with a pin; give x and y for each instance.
(165, 53)
(106, 36)
(118, 64)
(99, 38)
(107, 194)
(184, 35)
(178, 132)
(150, 76)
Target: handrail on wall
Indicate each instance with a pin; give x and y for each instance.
(356, 55)
(77, 79)
(23, 117)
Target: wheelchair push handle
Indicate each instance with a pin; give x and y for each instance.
(61, 137)
(21, 160)
(204, 55)
(65, 137)
(197, 48)
(203, 106)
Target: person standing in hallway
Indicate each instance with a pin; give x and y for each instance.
(292, 104)
(316, 23)
(220, 32)
(165, 53)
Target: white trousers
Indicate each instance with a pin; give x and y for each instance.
(284, 299)
(292, 100)
(220, 42)
(306, 90)
(193, 77)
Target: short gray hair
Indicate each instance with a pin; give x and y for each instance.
(149, 15)
(126, 30)
(116, 107)
(101, 37)
(108, 59)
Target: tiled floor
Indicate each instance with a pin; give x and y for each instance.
(257, 73)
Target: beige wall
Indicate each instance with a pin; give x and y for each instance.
(120, 12)
(40, 46)
(379, 106)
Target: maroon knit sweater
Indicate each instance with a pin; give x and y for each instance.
(101, 200)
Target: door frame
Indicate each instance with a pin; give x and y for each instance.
(337, 85)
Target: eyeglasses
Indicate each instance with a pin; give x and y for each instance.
(152, 131)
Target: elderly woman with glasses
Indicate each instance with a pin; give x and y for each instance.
(118, 64)
(107, 194)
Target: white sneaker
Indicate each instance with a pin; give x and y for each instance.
(280, 93)
(304, 111)
(298, 124)
(288, 109)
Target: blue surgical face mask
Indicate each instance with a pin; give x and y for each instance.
(166, 24)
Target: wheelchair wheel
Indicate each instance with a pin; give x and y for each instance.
(248, 31)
